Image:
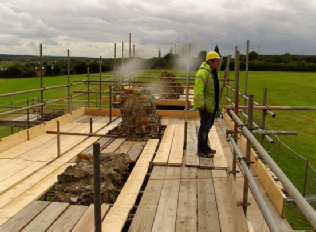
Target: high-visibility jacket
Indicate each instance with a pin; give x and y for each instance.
(204, 90)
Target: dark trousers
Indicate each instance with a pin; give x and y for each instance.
(206, 122)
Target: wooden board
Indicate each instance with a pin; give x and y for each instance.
(171, 102)
(224, 205)
(176, 153)
(164, 121)
(68, 219)
(47, 217)
(146, 210)
(19, 176)
(187, 206)
(19, 221)
(13, 140)
(219, 158)
(163, 152)
(135, 151)
(207, 206)
(30, 195)
(165, 219)
(241, 222)
(191, 157)
(113, 146)
(125, 147)
(118, 214)
(86, 222)
(206, 163)
(163, 113)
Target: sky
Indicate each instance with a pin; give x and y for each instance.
(90, 28)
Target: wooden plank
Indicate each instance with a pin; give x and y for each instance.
(241, 222)
(68, 219)
(163, 152)
(20, 176)
(118, 214)
(187, 206)
(125, 147)
(19, 221)
(13, 140)
(164, 121)
(146, 210)
(135, 151)
(163, 113)
(207, 206)
(191, 157)
(176, 153)
(225, 209)
(47, 217)
(86, 222)
(171, 102)
(113, 146)
(219, 158)
(165, 219)
(206, 163)
(30, 195)
(18, 190)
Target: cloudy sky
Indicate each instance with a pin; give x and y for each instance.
(91, 27)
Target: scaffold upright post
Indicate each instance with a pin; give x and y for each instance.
(187, 97)
(248, 150)
(41, 78)
(97, 187)
(100, 86)
(28, 114)
(246, 77)
(264, 113)
(68, 76)
(236, 82)
(88, 86)
(58, 139)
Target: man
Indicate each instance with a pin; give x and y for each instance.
(206, 99)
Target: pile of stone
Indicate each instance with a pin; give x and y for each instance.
(170, 87)
(139, 118)
(75, 185)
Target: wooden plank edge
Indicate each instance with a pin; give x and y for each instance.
(163, 113)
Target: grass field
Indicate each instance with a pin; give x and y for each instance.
(6, 64)
(284, 89)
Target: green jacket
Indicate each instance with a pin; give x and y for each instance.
(204, 90)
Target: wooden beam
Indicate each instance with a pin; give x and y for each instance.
(163, 113)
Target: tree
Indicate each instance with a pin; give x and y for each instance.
(202, 56)
(14, 71)
(57, 69)
(217, 49)
(49, 70)
(253, 55)
(80, 67)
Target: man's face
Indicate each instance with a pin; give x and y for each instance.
(214, 65)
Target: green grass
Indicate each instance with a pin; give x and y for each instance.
(6, 64)
(284, 89)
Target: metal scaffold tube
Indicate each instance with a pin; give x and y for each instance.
(256, 192)
(297, 197)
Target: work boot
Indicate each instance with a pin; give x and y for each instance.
(206, 155)
(209, 150)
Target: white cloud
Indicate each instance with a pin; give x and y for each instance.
(89, 28)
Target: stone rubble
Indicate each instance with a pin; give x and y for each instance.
(139, 117)
(170, 86)
(75, 185)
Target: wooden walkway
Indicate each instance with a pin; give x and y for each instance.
(182, 193)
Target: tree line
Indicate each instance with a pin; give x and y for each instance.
(284, 62)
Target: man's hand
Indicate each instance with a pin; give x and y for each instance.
(202, 108)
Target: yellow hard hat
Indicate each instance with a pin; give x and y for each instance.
(212, 55)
